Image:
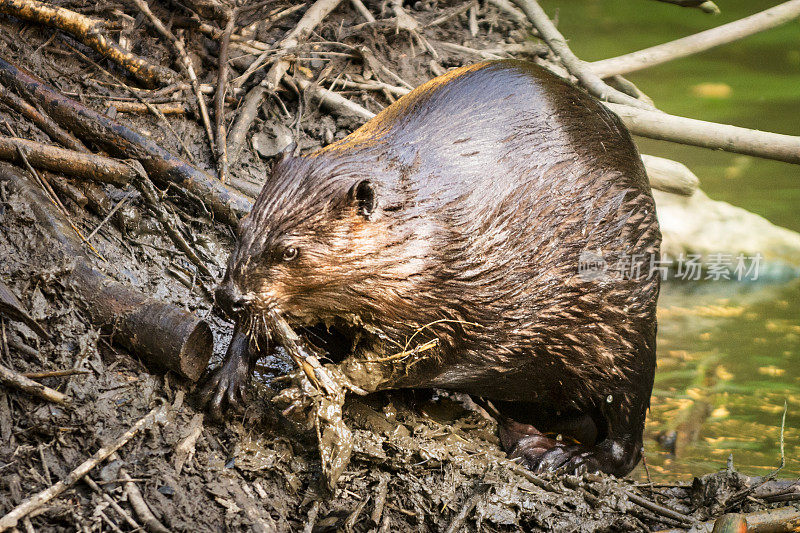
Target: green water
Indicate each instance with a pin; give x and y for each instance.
(729, 353)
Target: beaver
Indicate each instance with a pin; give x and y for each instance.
(463, 214)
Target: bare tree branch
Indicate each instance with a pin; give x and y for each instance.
(665, 127)
(699, 42)
(578, 68)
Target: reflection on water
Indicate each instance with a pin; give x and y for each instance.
(729, 353)
(729, 357)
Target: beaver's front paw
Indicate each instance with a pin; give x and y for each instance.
(226, 387)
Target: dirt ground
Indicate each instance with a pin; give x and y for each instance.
(421, 461)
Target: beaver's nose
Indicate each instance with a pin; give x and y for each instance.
(229, 298)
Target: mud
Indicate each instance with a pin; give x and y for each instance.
(421, 461)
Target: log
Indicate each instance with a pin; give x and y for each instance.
(165, 336)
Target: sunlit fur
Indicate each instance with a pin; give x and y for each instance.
(490, 183)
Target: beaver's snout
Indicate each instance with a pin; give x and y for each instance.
(229, 298)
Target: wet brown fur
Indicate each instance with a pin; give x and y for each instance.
(480, 190)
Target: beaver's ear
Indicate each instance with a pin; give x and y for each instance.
(364, 197)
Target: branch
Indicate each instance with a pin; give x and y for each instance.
(88, 31)
(665, 127)
(219, 97)
(44, 122)
(185, 62)
(38, 500)
(60, 160)
(578, 68)
(119, 140)
(305, 26)
(255, 97)
(699, 42)
(12, 379)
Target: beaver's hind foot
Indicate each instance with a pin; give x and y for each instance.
(542, 454)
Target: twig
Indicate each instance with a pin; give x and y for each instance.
(659, 509)
(89, 32)
(140, 507)
(219, 97)
(311, 18)
(107, 217)
(575, 66)
(185, 62)
(55, 159)
(658, 125)
(335, 102)
(774, 474)
(699, 42)
(38, 500)
(453, 12)
(56, 373)
(168, 108)
(16, 380)
(168, 220)
(255, 97)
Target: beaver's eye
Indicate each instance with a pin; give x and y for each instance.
(290, 253)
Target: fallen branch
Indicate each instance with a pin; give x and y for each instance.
(89, 32)
(42, 121)
(15, 380)
(578, 68)
(142, 108)
(161, 166)
(38, 500)
(72, 163)
(186, 63)
(699, 42)
(219, 97)
(665, 127)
